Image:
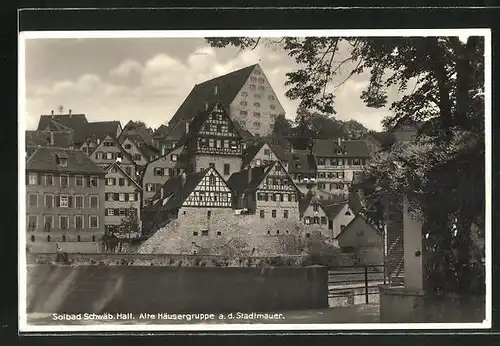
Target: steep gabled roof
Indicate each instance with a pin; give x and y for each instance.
(308, 200)
(176, 192)
(73, 121)
(118, 145)
(141, 133)
(61, 139)
(350, 225)
(248, 179)
(332, 210)
(228, 87)
(161, 131)
(349, 148)
(357, 148)
(117, 165)
(249, 153)
(45, 159)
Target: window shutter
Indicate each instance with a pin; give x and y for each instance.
(38, 179)
(57, 200)
(117, 211)
(27, 179)
(70, 201)
(126, 197)
(117, 196)
(114, 181)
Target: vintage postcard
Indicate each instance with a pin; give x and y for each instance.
(254, 180)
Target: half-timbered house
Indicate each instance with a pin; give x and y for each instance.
(213, 140)
(195, 200)
(108, 151)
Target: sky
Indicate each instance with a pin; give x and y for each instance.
(147, 79)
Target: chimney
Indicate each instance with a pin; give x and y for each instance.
(249, 174)
(338, 142)
(51, 137)
(187, 126)
(206, 105)
(216, 90)
(161, 192)
(70, 113)
(183, 178)
(52, 114)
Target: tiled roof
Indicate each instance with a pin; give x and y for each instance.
(332, 210)
(44, 159)
(307, 163)
(73, 121)
(173, 187)
(228, 87)
(149, 150)
(349, 226)
(349, 148)
(248, 179)
(140, 132)
(249, 153)
(161, 131)
(61, 139)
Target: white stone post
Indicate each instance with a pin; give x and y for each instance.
(413, 251)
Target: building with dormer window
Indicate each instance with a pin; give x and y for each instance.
(64, 201)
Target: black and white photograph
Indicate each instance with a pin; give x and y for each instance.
(254, 180)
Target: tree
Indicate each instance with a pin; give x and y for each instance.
(440, 80)
(282, 126)
(60, 108)
(131, 223)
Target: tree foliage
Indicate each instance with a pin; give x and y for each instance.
(131, 225)
(439, 80)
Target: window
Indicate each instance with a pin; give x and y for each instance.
(256, 104)
(121, 197)
(110, 181)
(79, 202)
(49, 179)
(94, 202)
(32, 222)
(128, 170)
(93, 221)
(209, 213)
(272, 106)
(62, 160)
(348, 213)
(211, 179)
(63, 222)
(149, 187)
(33, 200)
(128, 146)
(79, 181)
(243, 103)
(226, 169)
(323, 220)
(131, 197)
(64, 180)
(121, 181)
(253, 79)
(307, 220)
(93, 182)
(342, 227)
(219, 233)
(315, 207)
(243, 112)
(256, 114)
(110, 212)
(256, 124)
(84, 149)
(63, 201)
(48, 223)
(285, 214)
(321, 162)
(261, 87)
(308, 235)
(204, 233)
(32, 179)
(244, 94)
(252, 86)
(195, 233)
(49, 201)
(173, 157)
(262, 214)
(360, 233)
(273, 214)
(78, 221)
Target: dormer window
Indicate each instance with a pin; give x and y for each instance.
(62, 159)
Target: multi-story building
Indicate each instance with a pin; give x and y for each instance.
(64, 201)
(196, 200)
(246, 94)
(158, 171)
(122, 196)
(327, 219)
(213, 141)
(337, 162)
(269, 193)
(302, 168)
(108, 151)
(141, 153)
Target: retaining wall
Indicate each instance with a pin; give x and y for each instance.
(153, 289)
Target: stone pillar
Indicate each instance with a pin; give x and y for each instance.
(413, 249)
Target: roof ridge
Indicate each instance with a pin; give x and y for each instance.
(227, 74)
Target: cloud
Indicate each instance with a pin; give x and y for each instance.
(152, 89)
